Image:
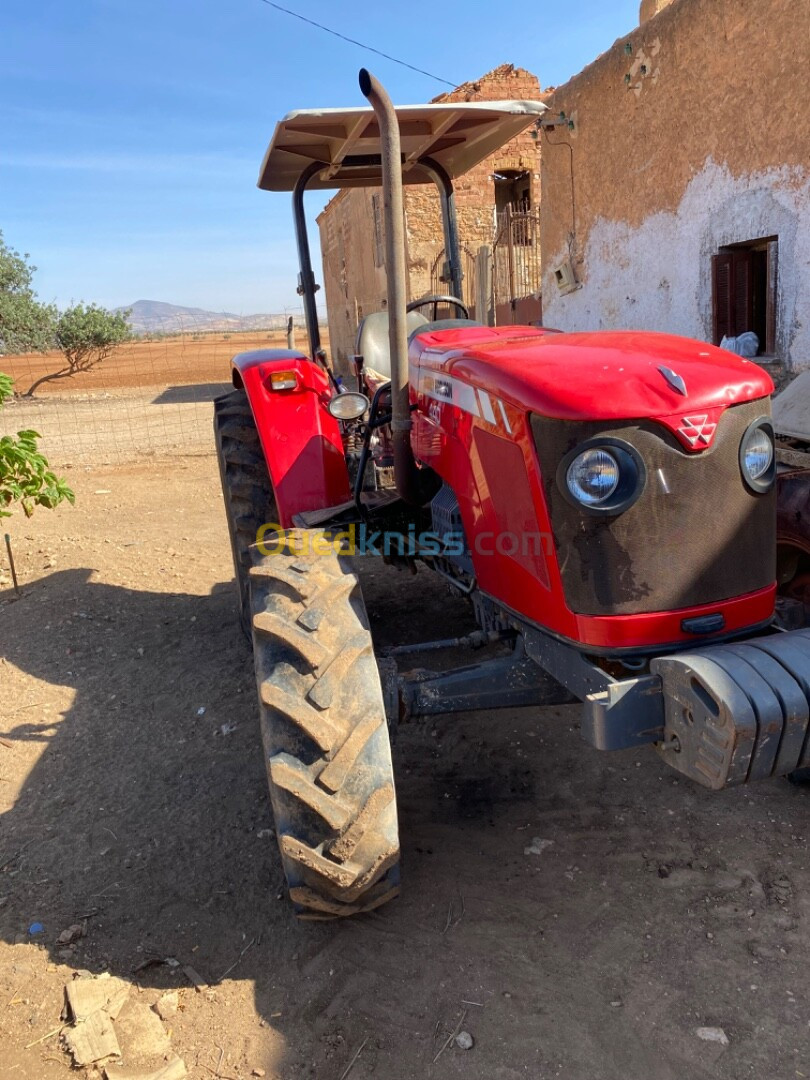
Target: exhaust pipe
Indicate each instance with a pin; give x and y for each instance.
(416, 486)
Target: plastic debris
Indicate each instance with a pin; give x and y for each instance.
(537, 846)
(712, 1034)
(746, 344)
(194, 977)
(36, 928)
(464, 1040)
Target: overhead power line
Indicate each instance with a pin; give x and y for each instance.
(368, 48)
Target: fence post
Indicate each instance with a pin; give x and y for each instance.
(483, 286)
(290, 333)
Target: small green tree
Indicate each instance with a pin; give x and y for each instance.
(85, 334)
(26, 325)
(25, 476)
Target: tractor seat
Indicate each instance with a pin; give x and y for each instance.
(372, 339)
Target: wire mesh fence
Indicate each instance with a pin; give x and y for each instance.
(151, 396)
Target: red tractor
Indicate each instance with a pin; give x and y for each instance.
(605, 502)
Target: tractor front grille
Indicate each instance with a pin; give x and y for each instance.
(696, 535)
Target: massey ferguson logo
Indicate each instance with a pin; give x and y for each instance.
(697, 430)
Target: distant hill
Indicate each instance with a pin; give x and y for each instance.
(154, 316)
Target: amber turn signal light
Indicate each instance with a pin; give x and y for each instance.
(282, 380)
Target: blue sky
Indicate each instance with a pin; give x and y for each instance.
(131, 133)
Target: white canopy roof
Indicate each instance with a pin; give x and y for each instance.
(455, 134)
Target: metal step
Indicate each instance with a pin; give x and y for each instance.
(373, 501)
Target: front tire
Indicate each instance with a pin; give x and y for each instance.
(323, 728)
(246, 487)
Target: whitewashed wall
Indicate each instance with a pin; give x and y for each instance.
(658, 276)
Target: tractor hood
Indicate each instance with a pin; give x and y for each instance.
(604, 375)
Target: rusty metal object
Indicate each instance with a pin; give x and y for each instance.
(410, 480)
(793, 509)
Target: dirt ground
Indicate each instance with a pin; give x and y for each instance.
(181, 359)
(581, 915)
(148, 398)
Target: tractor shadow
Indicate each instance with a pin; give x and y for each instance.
(191, 394)
(146, 812)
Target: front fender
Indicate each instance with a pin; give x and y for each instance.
(301, 440)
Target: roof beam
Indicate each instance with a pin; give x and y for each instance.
(351, 136)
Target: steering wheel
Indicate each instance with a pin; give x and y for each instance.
(435, 299)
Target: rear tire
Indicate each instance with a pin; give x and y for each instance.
(246, 487)
(324, 730)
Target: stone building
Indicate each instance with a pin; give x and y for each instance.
(351, 223)
(682, 199)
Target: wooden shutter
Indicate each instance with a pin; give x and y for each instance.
(743, 285)
(722, 297)
(770, 298)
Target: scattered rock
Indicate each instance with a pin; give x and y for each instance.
(87, 996)
(73, 933)
(93, 1039)
(537, 846)
(140, 1031)
(172, 1070)
(167, 1004)
(616, 1003)
(258, 1072)
(712, 1034)
(780, 890)
(464, 1040)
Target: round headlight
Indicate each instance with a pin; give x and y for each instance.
(756, 455)
(348, 406)
(593, 476)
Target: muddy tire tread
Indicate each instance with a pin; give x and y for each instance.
(246, 487)
(324, 731)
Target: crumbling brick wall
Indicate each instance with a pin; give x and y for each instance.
(691, 135)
